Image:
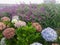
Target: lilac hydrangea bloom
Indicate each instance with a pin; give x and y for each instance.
(49, 34)
(36, 43)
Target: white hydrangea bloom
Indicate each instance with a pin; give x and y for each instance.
(15, 17)
(49, 34)
(3, 41)
(36, 43)
(14, 20)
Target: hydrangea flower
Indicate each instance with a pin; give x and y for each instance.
(14, 20)
(36, 43)
(5, 19)
(37, 26)
(3, 41)
(2, 26)
(20, 23)
(55, 44)
(49, 34)
(15, 17)
(9, 33)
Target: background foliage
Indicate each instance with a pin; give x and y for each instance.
(46, 14)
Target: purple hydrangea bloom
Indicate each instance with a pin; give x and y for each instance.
(49, 34)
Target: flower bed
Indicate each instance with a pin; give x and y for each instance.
(18, 32)
(31, 27)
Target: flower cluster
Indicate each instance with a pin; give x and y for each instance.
(15, 19)
(46, 14)
(55, 44)
(17, 22)
(37, 26)
(20, 23)
(2, 26)
(5, 19)
(36, 43)
(49, 34)
(9, 33)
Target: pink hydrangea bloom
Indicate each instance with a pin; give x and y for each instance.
(9, 33)
(2, 26)
(20, 23)
(5, 19)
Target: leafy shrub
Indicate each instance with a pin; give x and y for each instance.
(25, 36)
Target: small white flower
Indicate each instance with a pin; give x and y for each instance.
(3, 41)
(14, 20)
(36, 43)
(49, 34)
